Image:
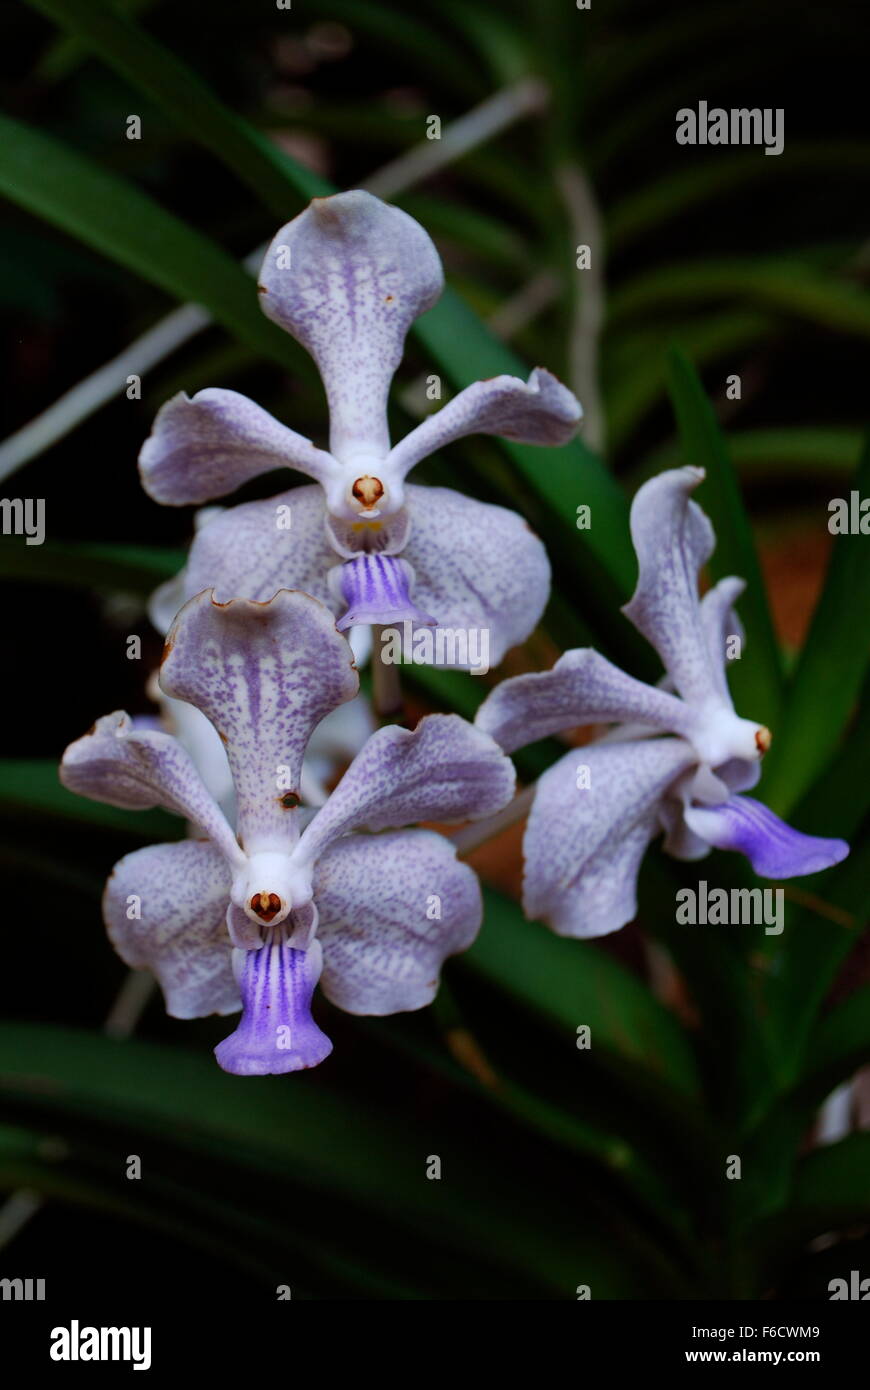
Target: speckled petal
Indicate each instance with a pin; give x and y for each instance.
(540, 411)
(141, 768)
(584, 843)
(673, 540)
(347, 278)
(250, 552)
(720, 623)
(773, 848)
(200, 738)
(392, 908)
(477, 567)
(265, 674)
(208, 445)
(180, 893)
(444, 770)
(276, 1033)
(582, 688)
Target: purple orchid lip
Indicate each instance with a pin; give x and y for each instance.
(774, 849)
(276, 1033)
(376, 589)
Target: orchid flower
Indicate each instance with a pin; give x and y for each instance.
(678, 757)
(347, 278)
(254, 919)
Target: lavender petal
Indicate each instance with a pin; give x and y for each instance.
(478, 567)
(253, 550)
(445, 770)
(673, 540)
(582, 688)
(264, 674)
(137, 769)
(595, 811)
(164, 909)
(540, 411)
(347, 278)
(209, 445)
(392, 908)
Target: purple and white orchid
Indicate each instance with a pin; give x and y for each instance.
(679, 756)
(254, 919)
(347, 278)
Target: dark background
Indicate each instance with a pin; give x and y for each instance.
(346, 87)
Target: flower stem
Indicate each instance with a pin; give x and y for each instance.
(386, 682)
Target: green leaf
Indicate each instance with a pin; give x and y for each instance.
(636, 376)
(403, 33)
(831, 1182)
(356, 1150)
(572, 983)
(840, 797)
(475, 231)
(831, 669)
(623, 1161)
(757, 679)
(66, 54)
(133, 569)
(818, 940)
(837, 1048)
(776, 454)
(30, 787)
(116, 219)
(791, 287)
(668, 197)
(259, 163)
(725, 983)
(839, 1045)
(501, 45)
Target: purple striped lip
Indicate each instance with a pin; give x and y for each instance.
(376, 589)
(276, 1032)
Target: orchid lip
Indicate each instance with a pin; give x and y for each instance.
(376, 589)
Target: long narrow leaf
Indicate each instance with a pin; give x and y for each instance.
(832, 666)
(118, 220)
(175, 89)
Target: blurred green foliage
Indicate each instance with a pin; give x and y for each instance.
(562, 1166)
